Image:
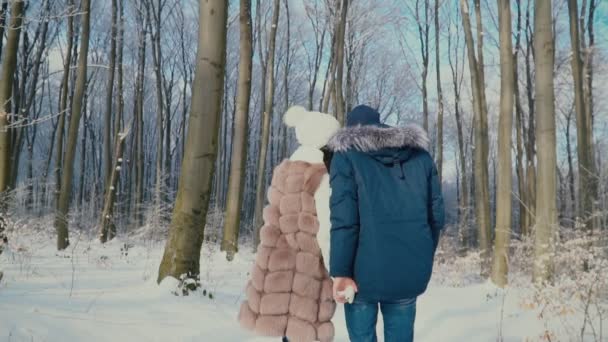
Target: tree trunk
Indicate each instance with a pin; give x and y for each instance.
(284, 137)
(482, 203)
(182, 250)
(439, 156)
(340, 110)
(423, 35)
(519, 165)
(232, 218)
(9, 66)
(3, 11)
(61, 219)
(139, 120)
(16, 102)
(530, 141)
(570, 176)
(586, 177)
(185, 88)
(266, 115)
(330, 74)
(328, 85)
(546, 210)
(463, 198)
(107, 153)
(83, 152)
(505, 124)
(108, 218)
(29, 201)
(108, 223)
(483, 117)
(223, 153)
(482, 84)
(530, 196)
(119, 118)
(167, 158)
(588, 89)
(154, 13)
(63, 102)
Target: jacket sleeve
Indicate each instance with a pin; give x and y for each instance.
(436, 207)
(344, 234)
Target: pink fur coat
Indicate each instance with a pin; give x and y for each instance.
(290, 292)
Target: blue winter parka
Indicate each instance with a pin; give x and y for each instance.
(386, 210)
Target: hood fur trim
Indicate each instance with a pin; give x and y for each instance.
(372, 138)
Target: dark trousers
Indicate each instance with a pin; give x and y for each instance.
(398, 316)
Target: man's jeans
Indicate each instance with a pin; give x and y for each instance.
(398, 316)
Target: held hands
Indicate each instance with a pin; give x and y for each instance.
(344, 290)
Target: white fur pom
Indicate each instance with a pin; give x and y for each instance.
(294, 115)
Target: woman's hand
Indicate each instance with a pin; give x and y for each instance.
(341, 285)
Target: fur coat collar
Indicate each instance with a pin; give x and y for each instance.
(370, 138)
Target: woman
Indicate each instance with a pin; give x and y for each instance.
(290, 292)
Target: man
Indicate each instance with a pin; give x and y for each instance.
(386, 216)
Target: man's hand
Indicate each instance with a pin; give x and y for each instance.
(340, 285)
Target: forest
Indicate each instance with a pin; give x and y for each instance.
(141, 136)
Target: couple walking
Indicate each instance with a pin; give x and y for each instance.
(354, 218)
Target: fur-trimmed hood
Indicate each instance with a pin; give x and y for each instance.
(369, 138)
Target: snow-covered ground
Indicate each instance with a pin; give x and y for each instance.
(108, 293)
